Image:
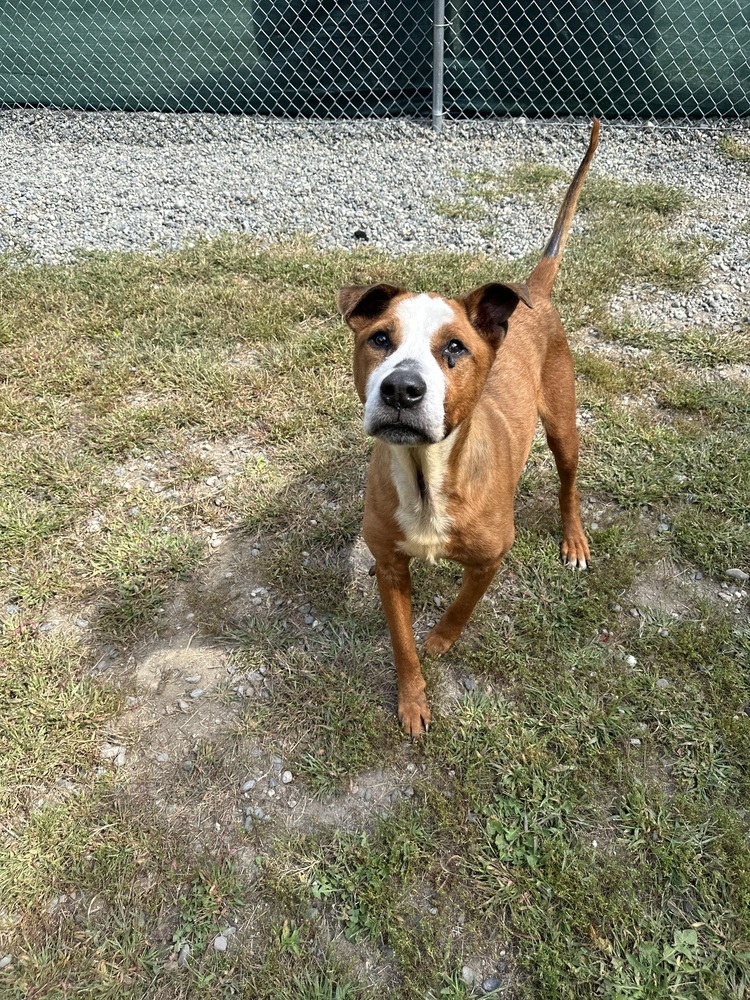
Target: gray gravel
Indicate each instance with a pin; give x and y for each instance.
(103, 181)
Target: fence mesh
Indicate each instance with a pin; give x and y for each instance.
(373, 58)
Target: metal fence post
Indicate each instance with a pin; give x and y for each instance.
(438, 63)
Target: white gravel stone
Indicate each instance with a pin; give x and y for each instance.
(287, 777)
(220, 943)
(468, 976)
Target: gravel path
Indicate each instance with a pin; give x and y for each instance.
(72, 180)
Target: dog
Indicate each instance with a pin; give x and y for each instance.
(451, 391)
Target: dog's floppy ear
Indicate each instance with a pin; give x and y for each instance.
(489, 308)
(359, 304)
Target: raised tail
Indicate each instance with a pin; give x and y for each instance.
(542, 278)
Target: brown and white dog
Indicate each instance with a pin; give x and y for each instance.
(453, 413)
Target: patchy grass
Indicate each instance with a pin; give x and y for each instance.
(483, 187)
(576, 826)
(734, 149)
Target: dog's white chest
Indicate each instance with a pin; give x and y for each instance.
(422, 509)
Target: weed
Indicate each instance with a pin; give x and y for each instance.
(734, 149)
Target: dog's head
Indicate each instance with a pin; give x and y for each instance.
(421, 361)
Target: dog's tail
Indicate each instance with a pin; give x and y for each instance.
(542, 278)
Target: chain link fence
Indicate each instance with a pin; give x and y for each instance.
(623, 59)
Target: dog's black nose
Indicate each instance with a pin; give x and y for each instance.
(402, 388)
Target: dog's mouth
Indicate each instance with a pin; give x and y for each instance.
(395, 433)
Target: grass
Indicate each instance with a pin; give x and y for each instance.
(483, 187)
(734, 149)
(576, 826)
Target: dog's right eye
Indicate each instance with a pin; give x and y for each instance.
(380, 340)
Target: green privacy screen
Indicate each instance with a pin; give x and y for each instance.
(373, 58)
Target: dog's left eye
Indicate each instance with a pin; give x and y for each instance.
(453, 348)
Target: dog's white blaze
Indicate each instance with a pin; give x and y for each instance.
(424, 519)
(420, 317)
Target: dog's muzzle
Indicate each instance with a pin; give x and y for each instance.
(397, 417)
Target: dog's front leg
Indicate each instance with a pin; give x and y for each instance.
(394, 584)
(476, 580)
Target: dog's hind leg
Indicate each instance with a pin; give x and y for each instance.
(557, 408)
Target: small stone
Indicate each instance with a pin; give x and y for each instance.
(272, 783)
(162, 758)
(470, 684)
(491, 984)
(409, 792)
(635, 742)
(287, 777)
(249, 823)
(292, 803)
(698, 575)
(196, 692)
(249, 785)
(360, 234)
(120, 758)
(183, 706)
(5, 961)
(188, 765)
(258, 813)
(725, 596)
(617, 607)
(663, 526)
(631, 661)
(184, 955)
(195, 679)
(468, 976)
(635, 613)
(109, 752)
(662, 683)
(368, 794)
(220, 943)
(737, 574)
(82, 623)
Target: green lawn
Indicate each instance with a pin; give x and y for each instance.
(183, 467)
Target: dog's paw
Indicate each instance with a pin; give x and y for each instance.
(575, 551)
(436, 642)
(414, 716)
